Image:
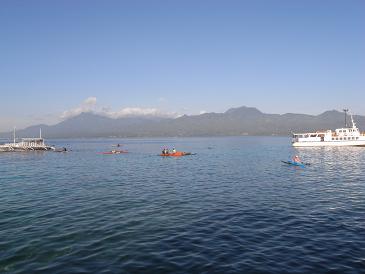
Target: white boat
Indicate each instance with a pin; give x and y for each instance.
(26, 144)
(347, 136)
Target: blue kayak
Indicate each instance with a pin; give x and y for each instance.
(294, 163)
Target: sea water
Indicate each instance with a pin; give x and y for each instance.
(234, 207)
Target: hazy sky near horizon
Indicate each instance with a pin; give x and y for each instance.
(58, 58)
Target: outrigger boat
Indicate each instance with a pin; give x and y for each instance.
(347, 136)
(26, 144)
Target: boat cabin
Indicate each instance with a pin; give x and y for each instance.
(32, 142)
(312, 136)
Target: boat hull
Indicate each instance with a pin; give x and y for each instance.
(294, 163)
(9, 148)
(358, 143)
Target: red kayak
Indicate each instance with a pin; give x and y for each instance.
(176, 154)
(114, 152)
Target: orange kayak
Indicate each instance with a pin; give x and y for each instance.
(176, 154)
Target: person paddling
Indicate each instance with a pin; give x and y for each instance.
(296, 159)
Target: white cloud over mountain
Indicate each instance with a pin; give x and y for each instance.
(136, 111)
(90, 105)
(87, 105)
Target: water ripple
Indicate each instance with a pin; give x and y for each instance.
(234, 208)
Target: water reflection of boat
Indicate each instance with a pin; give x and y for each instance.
(114, 152)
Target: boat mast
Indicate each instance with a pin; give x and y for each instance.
(40, 133)
(353, 123)
(14, 135)
(345, 110)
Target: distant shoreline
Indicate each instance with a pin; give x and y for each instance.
(242, 121)
(155, 137)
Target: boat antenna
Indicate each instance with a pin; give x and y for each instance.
(345, 110)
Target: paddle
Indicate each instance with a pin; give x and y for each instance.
(296, 164)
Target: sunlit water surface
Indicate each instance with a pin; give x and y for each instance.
(234, 207)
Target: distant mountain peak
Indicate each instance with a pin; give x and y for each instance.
(330, 113)
(244, 110)
(235, 121)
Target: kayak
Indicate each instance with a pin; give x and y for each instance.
(295, 163)
(60, 150)
(114, 152)
(176, 154)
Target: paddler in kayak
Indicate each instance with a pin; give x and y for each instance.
(296, 159)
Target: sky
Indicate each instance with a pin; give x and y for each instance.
(59, 58)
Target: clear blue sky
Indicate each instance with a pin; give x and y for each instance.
(180, 56)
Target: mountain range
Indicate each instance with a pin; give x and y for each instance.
(233, 122)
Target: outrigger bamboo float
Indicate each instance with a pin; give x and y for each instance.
(26, 144)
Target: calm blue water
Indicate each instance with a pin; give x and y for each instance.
(232, 208)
